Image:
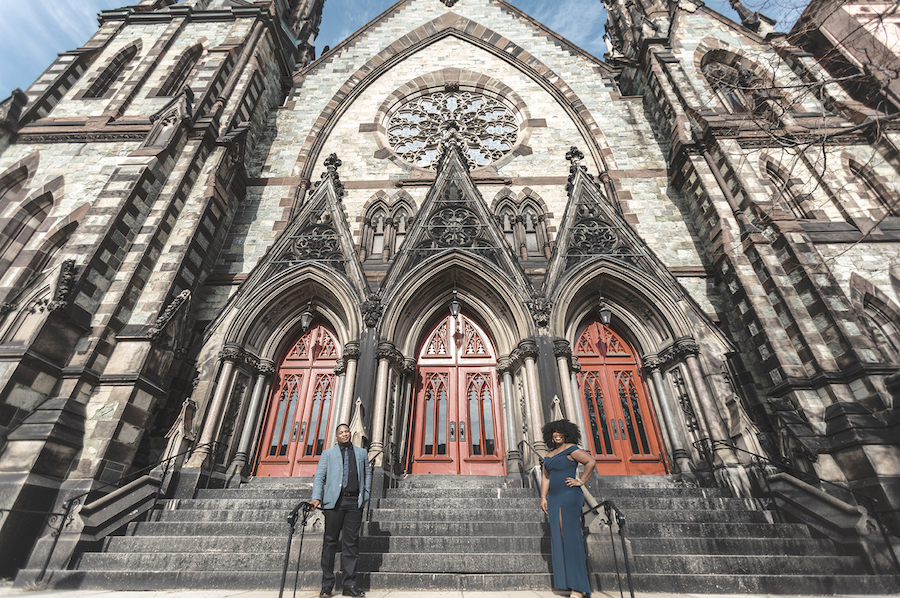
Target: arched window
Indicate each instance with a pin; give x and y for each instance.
(113, 70)
(885, 328)
(883, 196)
(384, 228)
(523, 225)
(19, 229)
(740, 90)
(377, 221)
(785, 195)
(178, 76)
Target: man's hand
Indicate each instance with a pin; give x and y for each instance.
(314, 504)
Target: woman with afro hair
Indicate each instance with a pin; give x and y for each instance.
(562, 500)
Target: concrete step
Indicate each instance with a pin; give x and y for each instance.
(455, 562)
(732, 546)
(444, 528)
(789, 585)
(313, 543)
(715, 530)
(476, 514)
(745, 564)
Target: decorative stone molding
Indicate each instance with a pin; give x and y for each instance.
(63, 286)
(651, 363)
(505, 364)
(678, 350)
(163, 320)
(372, 310)
(540, 308)
(231, 353)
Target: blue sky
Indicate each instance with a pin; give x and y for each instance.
(33, 32)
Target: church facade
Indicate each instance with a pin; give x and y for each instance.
(448, 230)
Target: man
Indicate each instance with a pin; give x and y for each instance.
(341, 486)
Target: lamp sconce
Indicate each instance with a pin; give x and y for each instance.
(307, 316)
(605, 313)
(454, 305)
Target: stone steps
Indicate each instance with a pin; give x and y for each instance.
(472, 533)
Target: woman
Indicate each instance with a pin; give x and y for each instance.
(561, 500)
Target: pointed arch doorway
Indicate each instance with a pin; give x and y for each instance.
(456, 411)
(623, 435)
(299, 413)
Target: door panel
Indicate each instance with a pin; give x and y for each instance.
(623, 433)
(457, 407)
(298, 418)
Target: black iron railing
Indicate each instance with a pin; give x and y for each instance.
(56, 522)
(526, 471)
(615, 515)
(302, 510)
(706, 446)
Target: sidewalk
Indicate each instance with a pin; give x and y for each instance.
(6, 590)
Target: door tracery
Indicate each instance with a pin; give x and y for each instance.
(299, 413)
(456, 420)
(622, 432)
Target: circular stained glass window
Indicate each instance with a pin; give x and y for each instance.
(487, 125)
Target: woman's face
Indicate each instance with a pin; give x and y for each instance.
(558, 437)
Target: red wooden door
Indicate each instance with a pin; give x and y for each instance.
(623, 434)
(457, 408)
(298, 418)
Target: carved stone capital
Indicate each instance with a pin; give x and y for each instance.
(351, 351)
(679, 350)
(409, 366)
(505, 364)
(387, 350)
(527, 349)
(265, 367)
(562, 348)
(651, 363)
(340, 366)
(231, 353)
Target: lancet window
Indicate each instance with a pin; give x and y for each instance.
(384, 229)
(177, 78)
(113, 71)
(884, 197)
(525, 228)
(786, 195)
(739, 89)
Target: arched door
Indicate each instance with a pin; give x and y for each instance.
(622, 431)
(456, 420)
(298, 416)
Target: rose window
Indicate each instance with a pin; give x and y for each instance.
(486, 125)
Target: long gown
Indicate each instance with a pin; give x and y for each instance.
(566, 545)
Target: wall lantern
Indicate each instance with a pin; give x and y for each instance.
(454, 305)
(605, 313)
(306, 317)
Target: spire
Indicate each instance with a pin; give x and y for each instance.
(750, 20)
(303, 20)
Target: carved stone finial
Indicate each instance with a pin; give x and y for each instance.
(332, 163)
(449, 3)
(167, 315)
(574, 155)
(749, 19)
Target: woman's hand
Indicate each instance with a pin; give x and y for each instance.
(574, 482)
(544, 506)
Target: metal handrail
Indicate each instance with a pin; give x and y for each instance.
(610, 507)
(71, 504)
(707, 445)
(532, 470)
(306, 508)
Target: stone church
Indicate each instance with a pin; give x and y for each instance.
(446, 231)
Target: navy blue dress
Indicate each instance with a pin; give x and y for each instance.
(566, 544)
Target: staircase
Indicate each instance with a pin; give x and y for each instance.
(472, 533)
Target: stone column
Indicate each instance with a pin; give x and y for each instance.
(528, 351)
(261, 387)
(386, 353)
(351, 359)
(229, 355)
(681, 456)
(388, 239)
(514, 465)
(689, 349)
(563, 352)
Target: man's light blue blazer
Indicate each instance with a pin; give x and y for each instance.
(330, 473)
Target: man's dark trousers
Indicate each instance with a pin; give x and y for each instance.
(342, 522)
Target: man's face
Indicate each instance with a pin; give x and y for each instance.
(343, 434)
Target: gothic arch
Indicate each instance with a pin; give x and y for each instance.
(787, 189)
(880, 313)
(712, 50)
(884, 196)
(102, 83)
(485, 292)
(267, 315)
(18, 230)
(651, 315)
(385, 237)
(16, 179)
(427, 34)
(179, 74)
(523, 220)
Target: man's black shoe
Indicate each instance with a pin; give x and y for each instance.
(325, 593)
(354, 592)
